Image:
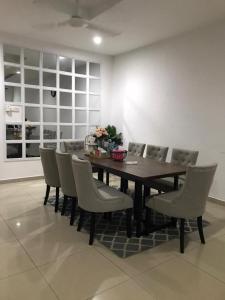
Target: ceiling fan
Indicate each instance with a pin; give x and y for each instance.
(80, 16)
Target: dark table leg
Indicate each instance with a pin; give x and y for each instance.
(100, 174)
(138, 207)
(176, 182)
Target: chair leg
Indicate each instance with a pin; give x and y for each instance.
(47, 194)
(81, 220)
(64, 205)
(129, 222)
(174, 222)
(73, 211)
(107, 178)
(57, 200)
(147, 220)
(182, 235)
(200, 229)
(92, 229)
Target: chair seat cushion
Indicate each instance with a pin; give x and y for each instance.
(99, 183)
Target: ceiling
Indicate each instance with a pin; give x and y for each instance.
(141, 22)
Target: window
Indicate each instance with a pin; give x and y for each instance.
(54, 98)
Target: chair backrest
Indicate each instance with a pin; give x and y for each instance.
(49, 165)
(73, 147)
(158, 153)
(64, 163)
(184, 157)
(89, 198)
(136, 149)
(196, 189)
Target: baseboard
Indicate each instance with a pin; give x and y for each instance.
(21, 179)
(217, 201)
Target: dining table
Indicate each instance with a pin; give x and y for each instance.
(141, 171)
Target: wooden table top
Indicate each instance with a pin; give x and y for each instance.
(145, 169)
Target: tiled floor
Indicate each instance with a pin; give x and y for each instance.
(43, 258)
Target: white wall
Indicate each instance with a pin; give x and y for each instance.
(173, 94)
(20, 169)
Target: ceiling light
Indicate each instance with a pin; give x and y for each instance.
(97, 39)
(17, 72)
(18, 224)
(61, 57)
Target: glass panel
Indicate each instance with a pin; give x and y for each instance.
(65, 132)
(49, 79)
(80, 84)
(32, 96)
(65, 82)
(80, 132)
(50, 145)
(65, 99)
(32, 150)
(14, 150)
(65, 64)
(12, 94)
(31, 77)
(49, 61)
(13, 132)
(50, 132)
(80, 116)
(49, 97)
(32, 114)
(49, 115)
(31, 58)
(32, 132)
(94, 86)
(94, 117)
(80, 100)
(65, 116)
(80, 67)
(11, 54)
(12, 74)
(94, 102)
(94, 69)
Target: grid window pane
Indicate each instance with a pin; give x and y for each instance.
(94, 102)
(80, 67)
(31, 77)
(49, 61)
(13, 132)
(94, 118)
(49, 79)
(50, 145)
(65, 116)
(11, 54)
(65, 82)
(32, 150)
(80, 100)
(14, 150)
(50, 132)
(12, 93)
(32, 132)
(32, 95)
(80, 116)
(94, 69)
(32, 114)
(94, 86)
(49, 97)
(31, 58)
(65, 64)
(80, 84)
(65, 99)
(80, 132)
(49, 115)
(65, 132)
(12, 74)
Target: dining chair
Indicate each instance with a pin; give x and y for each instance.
(136, 149)
(51, 174)
(157, 153)
(187, 203)
(94, 200)
(74, 146)
(180, 157)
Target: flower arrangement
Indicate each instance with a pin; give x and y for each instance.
(100, 133)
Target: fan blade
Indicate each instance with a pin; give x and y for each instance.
(97, 9)
(61, 6)
(45, 26)
(101, 29)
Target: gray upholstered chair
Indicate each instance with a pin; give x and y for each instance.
(64, 163)
(179, 157)
(51, 173)
(158, 153)
(136, 149)
(187, 203)
(74, 146)
(93, 200)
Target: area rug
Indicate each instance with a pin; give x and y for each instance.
(112, 234)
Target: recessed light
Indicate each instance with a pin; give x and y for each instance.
(18, 224)
(17, 72)
(61, 57)
(97, 39)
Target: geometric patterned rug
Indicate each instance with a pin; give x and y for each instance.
(112, 234)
